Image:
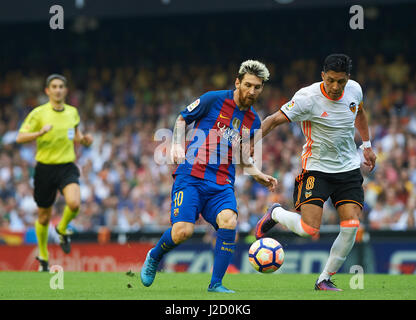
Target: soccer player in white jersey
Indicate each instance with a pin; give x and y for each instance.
(328, 112)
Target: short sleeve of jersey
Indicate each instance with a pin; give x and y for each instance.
(31, 122)
(297, 109)
(358, 92)
(199, 108)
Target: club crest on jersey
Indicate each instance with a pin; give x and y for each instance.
(193, 105)
(308, 194)
(353, 107)
(245, 131)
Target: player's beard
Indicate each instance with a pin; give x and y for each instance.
(245, 101)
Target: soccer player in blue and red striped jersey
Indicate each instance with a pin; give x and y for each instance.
(224, 123)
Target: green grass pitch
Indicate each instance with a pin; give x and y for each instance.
(185, 286)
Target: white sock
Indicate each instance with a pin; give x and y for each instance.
(339, 252)
(292, 221)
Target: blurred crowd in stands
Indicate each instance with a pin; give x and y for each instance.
(123, 187)
(127, 82)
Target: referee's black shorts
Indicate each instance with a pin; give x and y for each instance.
(49, 178)
(315, 187)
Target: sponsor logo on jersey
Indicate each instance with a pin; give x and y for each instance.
(290, 105)
(193, 105)
(71, 133)
(231, 135)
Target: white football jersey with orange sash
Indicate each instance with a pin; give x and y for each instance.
(328, 126)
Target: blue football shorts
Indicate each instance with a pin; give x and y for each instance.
(193, 196)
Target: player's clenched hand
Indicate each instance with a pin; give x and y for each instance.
(177, 153)
(267, 181)
(45, 128)
(87, 140)
(369, 158)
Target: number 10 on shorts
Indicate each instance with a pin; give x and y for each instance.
(178, 198)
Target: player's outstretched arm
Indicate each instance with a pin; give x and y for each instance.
(268, 125)
(262, 178)
(272, 122)
(24, 137)
(361, 123)
(247, 163)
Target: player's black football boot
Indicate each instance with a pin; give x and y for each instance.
(64, 240)
(266, 222)
(43, 265)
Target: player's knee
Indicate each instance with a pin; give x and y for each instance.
(182, 233)
(44, 219)
(181, 236)
(44, 216)
(227, 219)
(73, 204)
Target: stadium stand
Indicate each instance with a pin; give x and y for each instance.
(127, 90)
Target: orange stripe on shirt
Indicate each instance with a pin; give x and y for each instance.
(285, 116)
(308, 134)
(305, 155)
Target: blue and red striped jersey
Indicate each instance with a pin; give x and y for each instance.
(218, 125)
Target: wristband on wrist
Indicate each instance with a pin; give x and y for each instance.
(366, 145)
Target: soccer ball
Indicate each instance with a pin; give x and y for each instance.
(266, 255)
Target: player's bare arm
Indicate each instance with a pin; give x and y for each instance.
(178, 140)
(25, 137)
(248, 165)
(267, 126)
(262, 178)
(272, 122)
(361, 123)
(84, 139)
